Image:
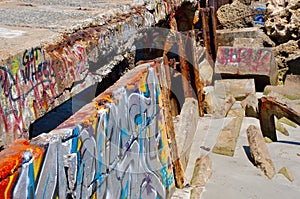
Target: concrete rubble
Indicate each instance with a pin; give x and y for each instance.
(226, 141)
(250, 105)
(259, 151)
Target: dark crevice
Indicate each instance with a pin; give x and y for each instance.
(61, 113)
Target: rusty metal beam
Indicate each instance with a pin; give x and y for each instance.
(183, 62)
(213, 32)
(199, 84)
(177, 166)
(268, 107)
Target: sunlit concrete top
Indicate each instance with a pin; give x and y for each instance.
(27, 23)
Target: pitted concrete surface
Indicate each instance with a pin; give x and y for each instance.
(28, 23)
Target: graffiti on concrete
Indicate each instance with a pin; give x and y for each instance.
(74, 63)
(244, 60)
(29, 83)
(120, 150)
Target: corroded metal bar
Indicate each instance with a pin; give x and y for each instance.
(205, 26)
(199, 84)
(177, 166)
(213, 32)
(268, 107)
(184, 64)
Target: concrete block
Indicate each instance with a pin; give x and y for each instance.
(105, 143)
(247, 61)
(226, 141)
(238, 88)
(291, 90)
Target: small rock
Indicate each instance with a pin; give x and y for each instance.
(268, 140)
(281, 128)
(259, 151)
(288, 122)
(287, 173)
(205, 148)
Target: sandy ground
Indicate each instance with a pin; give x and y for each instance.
(236, 177)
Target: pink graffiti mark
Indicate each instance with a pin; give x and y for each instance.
(74, 62)
(254, 60)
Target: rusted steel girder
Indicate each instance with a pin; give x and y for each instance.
(209, 25)
(199, 84)
(213, 32)
(268, 107)
(177, 166)
(186, 81)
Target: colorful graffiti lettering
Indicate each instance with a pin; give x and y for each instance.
(28, 83)
(119, 151)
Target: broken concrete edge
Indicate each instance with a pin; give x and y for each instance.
(42, 77)
(224, 108)
(99, 136)
(238, 88)
(186, 128)
(259, 151)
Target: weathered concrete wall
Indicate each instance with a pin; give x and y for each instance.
(43, 76)
(114, 147)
